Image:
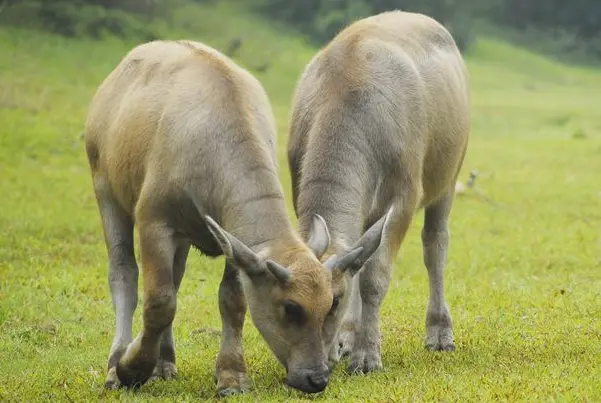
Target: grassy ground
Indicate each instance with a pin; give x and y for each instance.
(523, 280)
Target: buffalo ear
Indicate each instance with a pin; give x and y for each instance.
(355, 258)
(236, 252)
(348, 261)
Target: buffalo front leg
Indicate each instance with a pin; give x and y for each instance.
(165, 367)
(435, 240)
(230, 370)
(157, 249)
(373, 286)
(351, 322)
(123, 273)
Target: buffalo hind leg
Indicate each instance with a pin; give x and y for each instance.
(373, 285)
(157, 250)
(435, 240)
(123, 273)
(230, 369)
(166, 368)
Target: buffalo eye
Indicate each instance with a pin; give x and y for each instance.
(294, 312)
(335, 303)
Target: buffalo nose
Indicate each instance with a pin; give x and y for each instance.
(318, 381)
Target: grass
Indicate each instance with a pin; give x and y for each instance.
(523, 279)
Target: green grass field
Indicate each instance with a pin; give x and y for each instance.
(524, 272)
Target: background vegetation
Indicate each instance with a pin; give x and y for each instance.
(573, 26)
(523, 279)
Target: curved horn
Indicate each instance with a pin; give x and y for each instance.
(319, 236)
(281, 273)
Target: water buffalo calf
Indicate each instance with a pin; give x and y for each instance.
(181, 142)
(380, 123)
